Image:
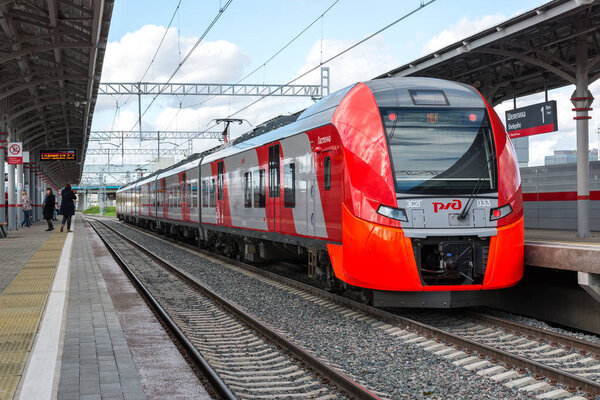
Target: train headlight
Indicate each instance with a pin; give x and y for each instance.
(398, 214)
(500, 212)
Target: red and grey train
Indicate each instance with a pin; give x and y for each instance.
(407, 188)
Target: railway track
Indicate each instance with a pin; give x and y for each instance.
(490, 346)
(242, 357)
(565, 358)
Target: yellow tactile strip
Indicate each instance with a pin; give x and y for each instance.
(21, 306)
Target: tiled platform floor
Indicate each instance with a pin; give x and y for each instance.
(554, 235)
(17, 249)
(114, 348)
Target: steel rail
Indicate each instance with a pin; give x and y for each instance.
(515, 361)
(210, 373)
(550, 336)
(342, 381)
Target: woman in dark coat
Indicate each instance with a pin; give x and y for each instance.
(48, 210)
(67, 207)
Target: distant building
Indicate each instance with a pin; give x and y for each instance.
(567, 157)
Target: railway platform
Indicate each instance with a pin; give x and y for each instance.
(561, 249)
(73, 327)
(561, 282)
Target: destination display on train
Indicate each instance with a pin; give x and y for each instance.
(58, 155)
(532, 120)
(449, 117)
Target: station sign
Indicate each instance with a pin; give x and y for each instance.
(14, 152)
(58, 155)
(532, 120)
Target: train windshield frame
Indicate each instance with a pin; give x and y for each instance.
(435, 151)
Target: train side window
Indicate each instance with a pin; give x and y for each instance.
(259, 188)
(213, 194)
(220, 185)
(248, 189)
(195, 193)
(205, 193)
(327, 173)
(188, 194)
(289, 186)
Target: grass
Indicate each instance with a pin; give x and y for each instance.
(108, 211)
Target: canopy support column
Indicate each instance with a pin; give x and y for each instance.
(582, 100)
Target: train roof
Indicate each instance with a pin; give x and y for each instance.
(318, 114)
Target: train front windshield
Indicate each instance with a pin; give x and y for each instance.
(441, 151)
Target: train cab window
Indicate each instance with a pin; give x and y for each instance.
(213, 193)
(248, 189)
(327, 173)
(289, 186)
(205, 193)
(259, 188)
(220, 183)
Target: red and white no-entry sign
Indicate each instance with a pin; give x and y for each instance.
(15, 153)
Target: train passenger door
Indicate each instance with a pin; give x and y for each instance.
(163, 199)
(220, 193)
(311, 193)
(274, 187)
(185, 210)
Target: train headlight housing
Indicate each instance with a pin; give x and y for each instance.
(398, 214)
(500, 212)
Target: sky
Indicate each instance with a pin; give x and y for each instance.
(250, 32)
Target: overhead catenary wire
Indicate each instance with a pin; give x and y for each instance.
(187, 56)
(157, 48)
(422, 5)
(263, 65)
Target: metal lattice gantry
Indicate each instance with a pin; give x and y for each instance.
(217, 89)
(99, 136)
(137, 152)
(110, 168)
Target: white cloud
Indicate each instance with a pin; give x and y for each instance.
(127, 59)
(359, 64)
(464, 28)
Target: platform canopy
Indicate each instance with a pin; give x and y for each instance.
(521, 55)
(51, 54)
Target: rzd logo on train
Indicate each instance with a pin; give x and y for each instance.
(454, 204)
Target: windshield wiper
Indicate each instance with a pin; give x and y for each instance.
(476, 190)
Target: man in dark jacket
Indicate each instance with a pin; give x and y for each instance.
(48, 208)
(67, 207)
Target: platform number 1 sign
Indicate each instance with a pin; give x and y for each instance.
(15, 153)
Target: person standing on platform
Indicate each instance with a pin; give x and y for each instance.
(67, 207)
(26, 209)
(49, 208)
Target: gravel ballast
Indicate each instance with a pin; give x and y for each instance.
(374, 358)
